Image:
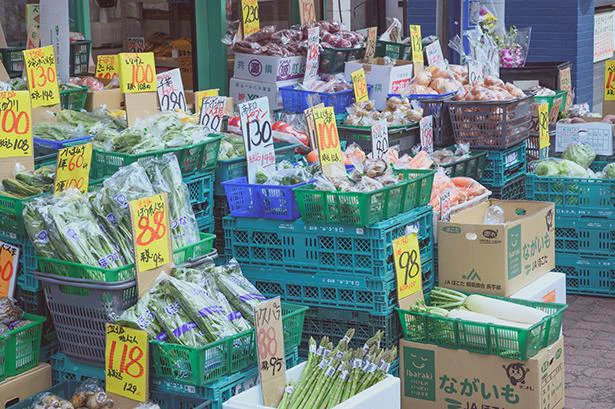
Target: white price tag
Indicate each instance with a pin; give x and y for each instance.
(257, 135)
(426, 125)
(475, 71)
(212, 113)
(434, 55)
(311, 63)
(171, 91)
(380, 139)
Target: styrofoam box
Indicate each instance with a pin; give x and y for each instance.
(597, 134)
(267, 68)
(551, 287)
(244, 90)
(383, 395)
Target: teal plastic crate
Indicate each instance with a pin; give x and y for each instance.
(585, 236)
(221, 210)
(502, 166)
(201, 191)
(297, 247)
(587, 275)
(512, 190)
(27, 259)
(338, 292)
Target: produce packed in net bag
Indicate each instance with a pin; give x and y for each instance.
(88, 395)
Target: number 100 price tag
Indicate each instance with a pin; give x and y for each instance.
(407, 257)
(15, 124)
(126, 362)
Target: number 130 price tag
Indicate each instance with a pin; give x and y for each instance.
(407, 257)
(126, 362)
(257, 136)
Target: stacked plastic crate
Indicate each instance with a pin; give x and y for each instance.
(504, 172)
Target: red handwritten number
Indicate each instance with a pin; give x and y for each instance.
(141, 74)
(18, 124)
(112, 353)
(44, 76)
(330, 140)
(267, 342)
(132, 359)
(147, 233)
(76, 183)
(76, 161)
(7, 270)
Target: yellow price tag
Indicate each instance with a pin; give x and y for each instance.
(107, 67)
(407, 257)
(73, 168)
(329, 150)
(360, 85)
(151, 232)
(200, 95)
(609, 81)
(137, 72)
(416, 41)
(40, 64)
(543, 126)
(126, 362)
(250, 20)
(15, 124)
(9, 260)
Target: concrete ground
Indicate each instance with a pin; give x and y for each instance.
(589, 331)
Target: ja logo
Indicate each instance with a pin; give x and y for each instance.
(472, 276)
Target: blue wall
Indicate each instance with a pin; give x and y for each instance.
(423, 12)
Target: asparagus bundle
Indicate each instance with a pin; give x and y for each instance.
(333, 375)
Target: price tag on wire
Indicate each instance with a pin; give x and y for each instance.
(107, 67)
(543, 126)
(73, 168)
(270, 347)
(475, 71)
(329, 149)
(126, 362)
(9, 261)
(250, 20)
(307, 12)
(380, 139)
(359, 84)
(171, 91)
(416, 42)
(199, 95)
(434, 55)
(212, 113)
(407, 258)
(40, 65)
(137, 72)
(257, 136)
(426, 129)
(15, 124)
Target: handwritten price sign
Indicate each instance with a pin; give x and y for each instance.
(126, 362)
(137, 72)
(307, 12)
(475, 71)
(212, 113)
(416, 42)
(329, 150)
(426, 128)
(42, 76)
(270, 344)
(360, 85)
(407, 257)
(434, 55)
(15, 124)
(107, 67)
(543, 126)
(380, 139)
(150, 231)
(311, 63)
(73, 168)
(9, 260)
(250, 20)
(257, 135)
(199, 95)
(370, 47)
(171, 91)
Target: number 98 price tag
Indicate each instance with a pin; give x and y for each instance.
(407, 257)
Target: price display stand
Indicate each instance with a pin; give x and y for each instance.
(15, 132)
(407, 258)
(9, 261)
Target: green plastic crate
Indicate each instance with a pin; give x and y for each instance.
(13, 61)
(74, 97)
(364, 209)
(199, 366)
(551, 100)
(404, 136)
(196, 250)
(397, 51)
(20, 347)
(491, 339)
(332, 60)
(200, 157)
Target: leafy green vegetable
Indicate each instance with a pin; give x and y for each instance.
(580, 153)
(238, 290)
(141, 316)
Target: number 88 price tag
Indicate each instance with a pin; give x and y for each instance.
(126, 362)
(407, 257)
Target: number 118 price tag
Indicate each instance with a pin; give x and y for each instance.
(407, 258)
(126, 362)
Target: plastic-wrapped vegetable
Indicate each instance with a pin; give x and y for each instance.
(609, 171)
(91, 395)
(9, 311)
(141, 316)
(580, 153)
(285, 174)
(28, 183)
(238, 290)
(49, 401)
(35, 213)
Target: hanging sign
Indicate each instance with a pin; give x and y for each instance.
(407, 258)
(257, 135)
(40, 64)
(370, 46)
(475, 71)
(270, 347)
(543, 126)
(199, 95)
(73, 168)
(9, 261)
(137, 72)
(171, 91)
(126, 362)
(212, 113)
(107, 67)
(380, 139)
(329, 150)
(33, 25)
(416, 42)
(250, 20)
(360, 85)
(307, 12)
(434, 55)
(15, 124)
(426, 129)
(311, 63)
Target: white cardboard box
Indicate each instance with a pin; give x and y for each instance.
(383, 395)
(551, 287)
(266, 68)
(385, 79)
(243, 90)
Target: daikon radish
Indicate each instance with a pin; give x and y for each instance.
(504, 310)
(467, 315)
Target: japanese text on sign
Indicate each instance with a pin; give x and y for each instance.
(307, 12)
(380, 139)
(434, 55)
(407, 257)
(370, 46)
(360, 85)
(126, 362)
(9, 260)
(257, 136)
(250, 20)
(426, 127)
(212, 113)
(329, 150)
(270, 346)
(543, 126)
(135, 44)
(609, 81)
(417, 45)
(475, 71)
(15, 124)
(171, 91)
(199, 95)
(40, 64)
(73, 168)
(150, 232)
(107, 67)
(311, 63)
(137, 72)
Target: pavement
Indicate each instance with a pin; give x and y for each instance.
(589, 336)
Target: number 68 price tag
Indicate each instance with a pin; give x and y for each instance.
(126, 362)
(407, 258)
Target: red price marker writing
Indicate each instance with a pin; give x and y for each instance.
(126, 362)
(407, 257)
(15, 124)
(9, 260)
(107, 67)
(42, 74)
(73, 168)
(137, 72)
(329, 150)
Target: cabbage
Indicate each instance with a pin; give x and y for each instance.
(609, 171)
(580, 153)
(561, 167)
(547, 168)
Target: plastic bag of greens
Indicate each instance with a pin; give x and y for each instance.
(608, 171)
(34, 214)
(580, 153)
(165, 175)
(209, 284)
(142, 317)
(238, 290)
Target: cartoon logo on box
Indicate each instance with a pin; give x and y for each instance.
(516, 373)
(255, 67)
(490, 234)
(549, 220)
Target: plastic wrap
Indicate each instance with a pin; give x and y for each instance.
(494, 215)
(142, 317)
(9, 311)
(91, 394)
(240, 293)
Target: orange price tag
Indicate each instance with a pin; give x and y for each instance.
(329, 150)
(107, 67)
(9, 260)
(250, 20)
(15, 124)
(73, 168)
(40, 64)
(151, 232)
(137, 72)
(609, 81)
(126, 362)
(407, 257)
(360, 85)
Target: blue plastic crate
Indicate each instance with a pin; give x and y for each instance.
(44, 147)
(298, 100)
(503, 166)
(350, 295)
(587, 275)
(585, 236)
(201, 192)
(237, 167)
(300, 247)
(267, 201)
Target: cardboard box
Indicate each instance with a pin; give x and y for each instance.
(243, 90)
(268, 68)
(496, 259)
(385, 79)
(551, 287)
(438, 378)
(112, 98)
(598, 134)
(20, 387)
